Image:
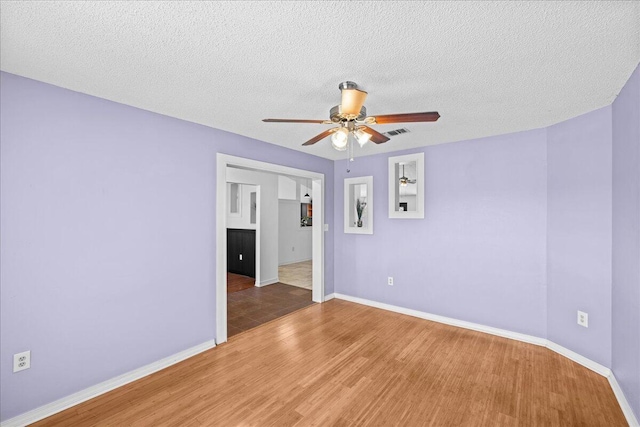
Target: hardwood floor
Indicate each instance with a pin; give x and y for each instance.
(238, 282)
(344, 364)
(252, 307)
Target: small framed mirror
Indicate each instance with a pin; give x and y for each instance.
(234, 202)
(406, 186)
(253, 205)
(306, 215)
(358, 205)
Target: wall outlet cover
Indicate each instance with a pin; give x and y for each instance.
(390, 281)
(583, 319)
(21, 361)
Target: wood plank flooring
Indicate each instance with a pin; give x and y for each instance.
(252, 307)
(343, 364)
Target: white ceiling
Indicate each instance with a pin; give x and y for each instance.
(488, 67)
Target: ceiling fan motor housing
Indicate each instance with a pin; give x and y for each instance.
(336, 116)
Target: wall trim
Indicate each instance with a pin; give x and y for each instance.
(104, 387)
(267, 282)
(329, 297)
(569, 354)
(622, 400)
(297, 261)
(578, 358)
(447, 320)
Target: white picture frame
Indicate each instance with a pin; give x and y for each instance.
(358, 191)
(406, 201)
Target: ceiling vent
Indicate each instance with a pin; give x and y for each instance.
(396, 132)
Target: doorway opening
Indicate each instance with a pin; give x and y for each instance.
(242, 306)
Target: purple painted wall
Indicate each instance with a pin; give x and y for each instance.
(479, 253)
(579, 234)
(107, 217)
(626, 241)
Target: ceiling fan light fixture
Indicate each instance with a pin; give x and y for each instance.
(362, 137)
(350, 117)
(339, 139)
(404, 181)
(352, 102)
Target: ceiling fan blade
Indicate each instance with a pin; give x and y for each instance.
(406, 118)
(328, 122)
(323, 135)
(376, 136)
(352, 101)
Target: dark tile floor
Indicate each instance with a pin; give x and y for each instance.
(251, 307)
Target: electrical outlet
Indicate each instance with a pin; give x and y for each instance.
(240, 257)
(390, 281)
(583, 319)
(21, 361)
(326, 227)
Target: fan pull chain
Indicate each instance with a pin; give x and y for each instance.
(350, 150)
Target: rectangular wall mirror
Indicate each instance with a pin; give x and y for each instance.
(358, 205)
(253, 203)
(306, 214)
(406, 186)
(235, 199)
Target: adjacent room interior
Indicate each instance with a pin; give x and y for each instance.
(274, 216)
(320, 213)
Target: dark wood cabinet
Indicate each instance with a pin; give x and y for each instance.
(241, 251)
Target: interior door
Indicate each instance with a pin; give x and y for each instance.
(241, 251)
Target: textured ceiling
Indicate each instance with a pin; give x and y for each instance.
(487, 67)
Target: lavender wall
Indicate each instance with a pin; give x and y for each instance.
(479, 253)
(579, 234)
(626, 241)
(108, 237)
(107, 219)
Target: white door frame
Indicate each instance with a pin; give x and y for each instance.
(222, 162)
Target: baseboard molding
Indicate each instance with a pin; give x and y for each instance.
(329, 297)
(295, 262)
(588, 363)
(578, 358)
(103, 387)
(447, 320)
(622, 400)
(268, 282)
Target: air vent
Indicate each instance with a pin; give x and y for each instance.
(396, 132)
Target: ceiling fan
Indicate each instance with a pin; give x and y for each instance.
(351, 118)
(404, 180)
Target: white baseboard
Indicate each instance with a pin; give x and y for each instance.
(103, 387)
(268, 282)
(329, 297)
(295, 262)
(588, 363)
(578, 358)
(622, 400)
(446, 320)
